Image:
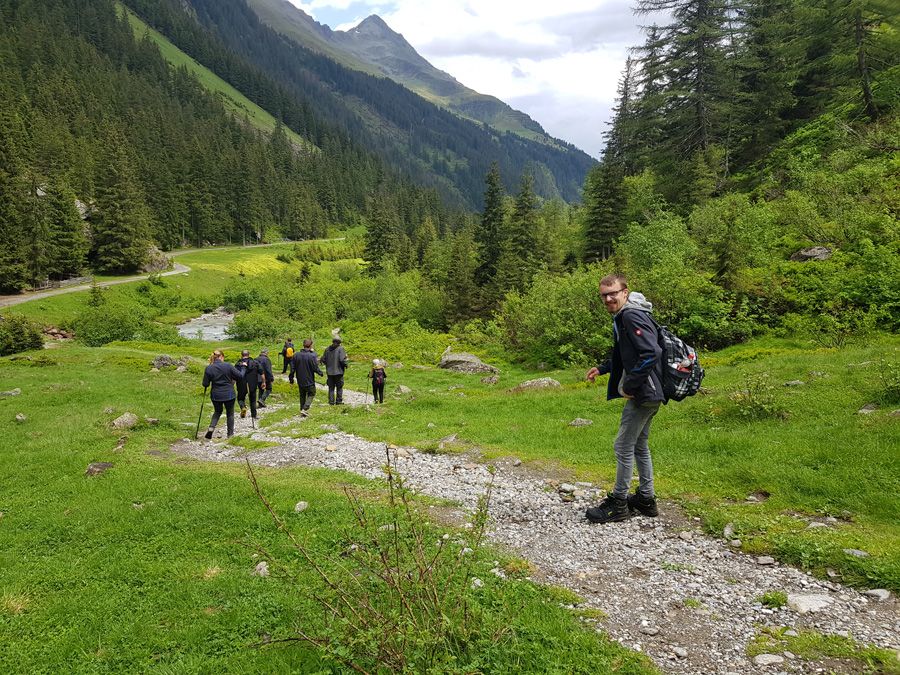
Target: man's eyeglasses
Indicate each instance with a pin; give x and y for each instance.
(611, 294)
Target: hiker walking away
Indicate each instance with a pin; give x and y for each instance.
(335, 360)
(249, 384)
(268, 379)
(287, 354)
(221, 376)
(378, 377)
(305, 367)
(635, 373)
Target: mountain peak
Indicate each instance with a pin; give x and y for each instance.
(374, 25)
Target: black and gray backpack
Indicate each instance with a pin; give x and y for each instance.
(682, 372)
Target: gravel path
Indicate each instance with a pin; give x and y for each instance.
(685, 599)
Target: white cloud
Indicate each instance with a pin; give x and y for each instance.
(557, 61)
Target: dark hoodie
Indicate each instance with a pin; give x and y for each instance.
(635, 367)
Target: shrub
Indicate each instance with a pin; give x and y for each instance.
(773, 599)
(18, 334)
(109, 322)
(757, 400)
(259, 325)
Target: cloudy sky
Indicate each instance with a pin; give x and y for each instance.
(557, 61)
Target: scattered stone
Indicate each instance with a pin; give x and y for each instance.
(767, 660)
(449, 439)
(685, 535)
(109, 411)
(812, 253)
(328, 427)
(477, 583)
(735, 543)
(867, 409)
(151, 420)
(20, 418)
(794, 383)
(539, 383)
(517, 462)
(490, 379)
(97, 468)
(300, 507)
(12, 392)
(261, 569)
(842, 633)
(751, 498)
(125, 421)
(567, 488)
(815, 525)
(765, 560)
(330, 448)
(402, 452)
(680, 652)
(880, 594)
(808, 603)
(790, 632)
(650, 630)
(181, 369)
(138, 506)
(120, 444)
(728, 532)
(430, 425)
(856, 553)
(580, 422)
(402, 389)
(462, 362)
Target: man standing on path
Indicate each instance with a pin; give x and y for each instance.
(251, 377)
(635, 373)
(305, 366)
(335, 360)
(287, 353)
(265, 385)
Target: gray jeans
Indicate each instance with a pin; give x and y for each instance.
(632, 448)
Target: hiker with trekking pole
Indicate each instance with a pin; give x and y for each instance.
(251, 376)
(378, 377)
(220, 376)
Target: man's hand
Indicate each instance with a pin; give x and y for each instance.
(592, 374)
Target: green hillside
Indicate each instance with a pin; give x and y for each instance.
(234, 100)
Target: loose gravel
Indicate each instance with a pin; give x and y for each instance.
(687, 600)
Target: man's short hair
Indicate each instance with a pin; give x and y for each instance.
(245, 352)
(307, 343)
(613, 279)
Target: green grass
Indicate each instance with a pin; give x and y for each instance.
(809, 644)
(148, 567)
(233, 99)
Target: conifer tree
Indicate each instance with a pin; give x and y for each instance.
(518, 263)
(14, 273)
(121, 231)
(381, 234)
(489, 235)
(66, 243)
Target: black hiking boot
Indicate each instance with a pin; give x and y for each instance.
(208, 434)
(646, 506)
(610, 510)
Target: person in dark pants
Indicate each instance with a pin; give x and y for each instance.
(287, 354)
(378, 377)
(249, 383)
(265, 385)
(305, 367)
(335, 360)
(635, 373)
(222, 377)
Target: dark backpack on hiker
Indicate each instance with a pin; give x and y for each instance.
(378, 376)
(682, 373)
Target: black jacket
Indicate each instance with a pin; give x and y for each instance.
(636, 361)
(222, 377)
(265, 366)
(305, 366)
(250, 369)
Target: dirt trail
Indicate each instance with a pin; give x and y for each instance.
(689, 601)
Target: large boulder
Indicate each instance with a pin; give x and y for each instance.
(812, 253)
(539, 383)
(461, 362)
(156, 261)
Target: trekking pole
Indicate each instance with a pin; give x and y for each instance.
(200, 416)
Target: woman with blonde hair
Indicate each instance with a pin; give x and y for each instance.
(221, 376)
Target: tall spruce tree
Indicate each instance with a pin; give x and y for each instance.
(518, 261)
(489, 235)
(66, 244)
(14, 273)
(121, 230)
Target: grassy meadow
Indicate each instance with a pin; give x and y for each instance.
(149, 566)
